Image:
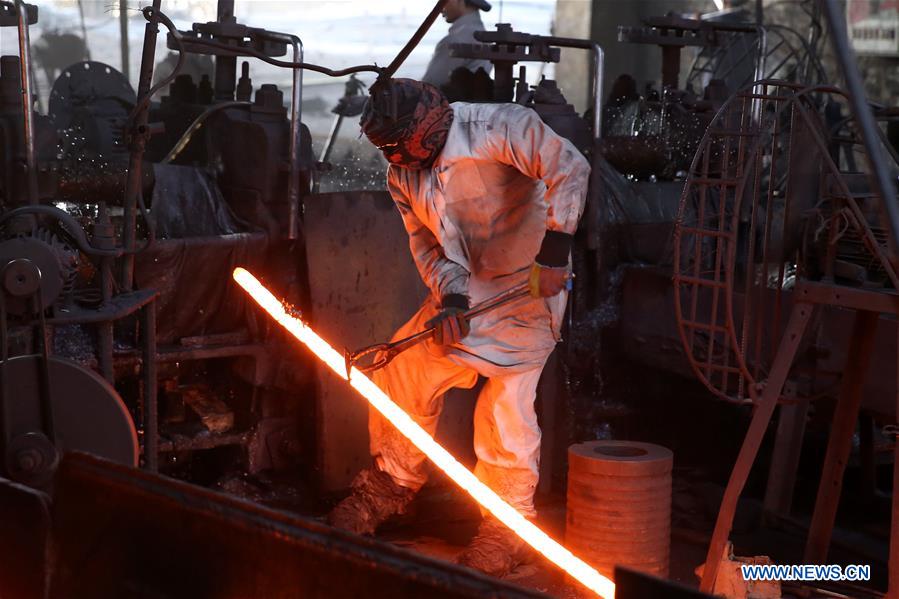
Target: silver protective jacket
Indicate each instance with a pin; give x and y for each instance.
(476, 220)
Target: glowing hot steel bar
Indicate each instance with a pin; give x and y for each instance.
(492, 502)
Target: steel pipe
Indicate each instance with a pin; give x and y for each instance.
(133, 185)
(599, 70)
(195, 126)
(27, 95)
(123, 39)
(296, 114)
(882, 178)
(599, 66)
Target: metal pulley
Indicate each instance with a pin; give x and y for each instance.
(39, 261)
(88, 416)
(49, 405)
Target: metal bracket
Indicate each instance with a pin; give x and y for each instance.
(9, 17)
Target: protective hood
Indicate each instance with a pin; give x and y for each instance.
(408, 121)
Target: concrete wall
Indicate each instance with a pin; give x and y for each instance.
(573, 19)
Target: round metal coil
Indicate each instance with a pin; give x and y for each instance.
(619, 505)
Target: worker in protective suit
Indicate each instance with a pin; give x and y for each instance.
(464, 17)
(490, 197)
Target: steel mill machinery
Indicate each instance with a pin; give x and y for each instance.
(121, 218)
(783, 260)
(121, 336)
(745, 196)
(141, 209)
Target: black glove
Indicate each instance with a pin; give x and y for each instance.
(450, 326)
(555, 249)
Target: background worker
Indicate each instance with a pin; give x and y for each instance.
(464, 17)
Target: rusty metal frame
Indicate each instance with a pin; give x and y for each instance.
(741, 187)
(869, 305)
(728, 167)
(799, 320)
(809, 65)
(839, 446)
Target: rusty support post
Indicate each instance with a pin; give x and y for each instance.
(799, 319)
(670, 67)
(296, 111)
(296, 117)
(148, 370)
(27, 99)
(893, 590)
(104, 236)
(123, 39)
(138, 145)
(785, 461)
(861, 346)
(225, 66)
(867, 457)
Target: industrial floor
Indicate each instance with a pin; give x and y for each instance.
(444, 522)
(443, 519)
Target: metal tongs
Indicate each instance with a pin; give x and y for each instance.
(388, 351)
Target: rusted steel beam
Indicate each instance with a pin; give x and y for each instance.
(799, 319)
(785, 460)
(893, 590)
(861, 346)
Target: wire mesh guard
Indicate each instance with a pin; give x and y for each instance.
(773, 51)
(774, 194)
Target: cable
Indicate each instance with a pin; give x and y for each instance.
(198, 122)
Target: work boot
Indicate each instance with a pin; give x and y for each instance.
(495, 550)
(374, 499)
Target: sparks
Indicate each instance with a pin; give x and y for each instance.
(533, 536)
